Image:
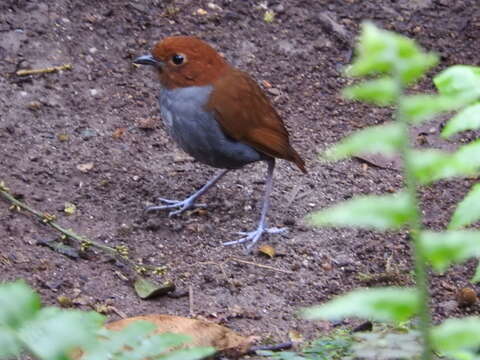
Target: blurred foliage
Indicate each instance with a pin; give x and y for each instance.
(49, 333)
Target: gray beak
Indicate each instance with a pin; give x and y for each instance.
(147, 60)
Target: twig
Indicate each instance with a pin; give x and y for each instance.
(118, 312)
(48, 219)
(274, 347)
(259, 265)
(82, 241)
(190, 300)
(51, 69)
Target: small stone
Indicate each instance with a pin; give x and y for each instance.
(213, 6)
(34, 105)
(279, 9)
(64, 301)
(88, 133)
(274, 91)
(466, 297)
(85, 167)
(146, 123)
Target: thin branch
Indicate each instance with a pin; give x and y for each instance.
(120, 253)
(51, 69)
(259, 265)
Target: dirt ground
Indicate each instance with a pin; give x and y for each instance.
(98, 113)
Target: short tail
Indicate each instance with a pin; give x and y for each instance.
(294, 157)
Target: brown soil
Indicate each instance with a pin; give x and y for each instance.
(301, 53)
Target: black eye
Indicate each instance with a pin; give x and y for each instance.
(177, 59)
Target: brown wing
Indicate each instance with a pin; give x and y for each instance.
(245, 114)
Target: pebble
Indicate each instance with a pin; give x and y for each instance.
(274, 91)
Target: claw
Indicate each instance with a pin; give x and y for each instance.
(254, 236)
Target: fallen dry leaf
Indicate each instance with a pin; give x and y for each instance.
(118, 133)
(85, 167)
(203, 333)
(63, 137)
(267, 250)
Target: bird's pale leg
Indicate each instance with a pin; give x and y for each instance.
(189, 202)
(255, 235)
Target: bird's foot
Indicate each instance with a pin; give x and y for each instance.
(183, 205)
(254, 236)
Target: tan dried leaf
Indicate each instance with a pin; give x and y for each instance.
(267, 250)
(118, 133)
(63, 137)
(203, 333)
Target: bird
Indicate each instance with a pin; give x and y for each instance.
(220, 116)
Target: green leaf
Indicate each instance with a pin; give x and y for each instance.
(371, 212)
(468, 210)
(418, 108)
(462, 81)
(381, 92)
(54, 332)
(18, 303)
(476, 277)
(148, 289)
(382, 304)
(455, 335)
(443, 249)
(430, 165)
(380, 51)
(142, 344)
(370, 52)
(415, 67)
(282, 355)
(382, 139)
(9, 344)
(467, 119)
(468, 157)
(158, 344)
(114, 342)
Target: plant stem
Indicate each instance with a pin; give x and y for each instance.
(421, 276)
(69, 233)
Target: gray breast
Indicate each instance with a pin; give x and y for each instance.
(198, 133)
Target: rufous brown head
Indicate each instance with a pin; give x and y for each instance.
(183, 61)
